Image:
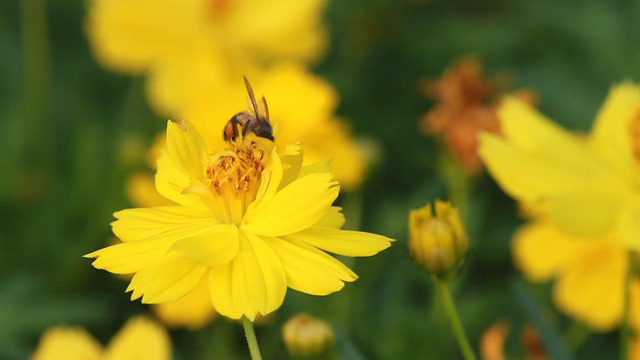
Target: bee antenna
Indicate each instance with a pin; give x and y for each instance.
(266, 108)
(252, 97)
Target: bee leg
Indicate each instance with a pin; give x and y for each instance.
(245, 127)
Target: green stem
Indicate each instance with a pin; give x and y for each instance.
(254, 349)
(625, 331)
(452, 313)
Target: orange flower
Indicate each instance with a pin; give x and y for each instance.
(466, 104)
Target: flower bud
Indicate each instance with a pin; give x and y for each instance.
(306, 336)
(438, 243)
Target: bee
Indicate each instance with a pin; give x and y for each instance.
(255, 122)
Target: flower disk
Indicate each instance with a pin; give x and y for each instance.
(247, 219)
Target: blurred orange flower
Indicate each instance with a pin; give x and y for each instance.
(465, 104)
(492, 343)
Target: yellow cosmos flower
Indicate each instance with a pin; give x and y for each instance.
(585, 196)
(249, 220)
(589, 186)
(190, 47)
(139, 339)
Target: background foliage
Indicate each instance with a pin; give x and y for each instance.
(71, 132)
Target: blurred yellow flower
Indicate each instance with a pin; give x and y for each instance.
(190, 47)
(584, 268)
(301, 108)
(192, 311)
(586, 200)
(438, 242)
(249, 220)
(589, 186)
(139, 339)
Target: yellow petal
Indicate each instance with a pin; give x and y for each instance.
(269, 186)
(291, 29)
(592, 288)
(254, 282)
(629, 226)
(175, 222)
(611, 136)
(529, 176)
(186, 148)
(308, 269)
(526, 128)
(291, 164)
(296, 207)
(542, 251)
(171, 183)
(537, 158)
(343, 242)
(214, 247)
(349, 161)
(142, 192)
(166, 279)
(634, 307)
(140, 339)
(582, 213)
(67, 343)
(193, 311)
(130, 36)
(128, 257)
(333, 218)
(221, 291)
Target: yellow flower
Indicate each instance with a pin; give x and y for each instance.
(249, 220)
(307, 336)
(437, 242)
(190, 47)
(140, 338)
(585, 196)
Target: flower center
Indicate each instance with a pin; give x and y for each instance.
(218, 9)
(634, 130)
(234, 176)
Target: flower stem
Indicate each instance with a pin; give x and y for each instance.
(452, 313)
(254, 349)
(625, 331)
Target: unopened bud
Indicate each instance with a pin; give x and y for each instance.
(306, 336)
(438, 242)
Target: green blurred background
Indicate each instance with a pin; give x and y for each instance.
(71, 132)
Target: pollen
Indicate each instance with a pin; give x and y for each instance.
(236, 170)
